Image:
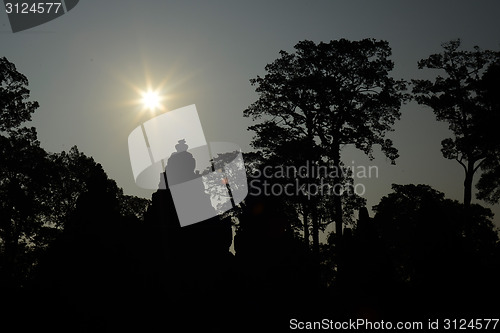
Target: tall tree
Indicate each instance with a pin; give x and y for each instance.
(458, 99)
(328, 95)
(21, 158)
(489, 182)
(38, 190)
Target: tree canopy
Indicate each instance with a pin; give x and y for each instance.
(39, 191)
(323, 97)
(461, 99)
(15, 108)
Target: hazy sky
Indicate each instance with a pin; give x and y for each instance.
(84, 69)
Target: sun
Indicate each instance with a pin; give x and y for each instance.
(151, 100)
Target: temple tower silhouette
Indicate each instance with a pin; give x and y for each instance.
(180, 165)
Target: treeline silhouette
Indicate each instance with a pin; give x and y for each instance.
(78, 255)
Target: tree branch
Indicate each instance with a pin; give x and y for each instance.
(461, 163)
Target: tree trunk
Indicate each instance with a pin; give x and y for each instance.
(337, 183)
(315, 233)
(469, 175)
(311, 208)
(306, 225)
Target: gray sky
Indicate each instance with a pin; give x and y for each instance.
(84, 69)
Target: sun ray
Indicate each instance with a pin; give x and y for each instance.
(154, 95)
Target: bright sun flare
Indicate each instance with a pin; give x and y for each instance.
(151, 100)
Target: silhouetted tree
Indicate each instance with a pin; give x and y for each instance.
(15, 108)
(20, 185)
(224, 170)
(328, 95)
(489, 182)
(39, 191)
(91, 273)
(426, 241)
(22, 203)
(304, 188)
(70, 175)
(458, 98)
